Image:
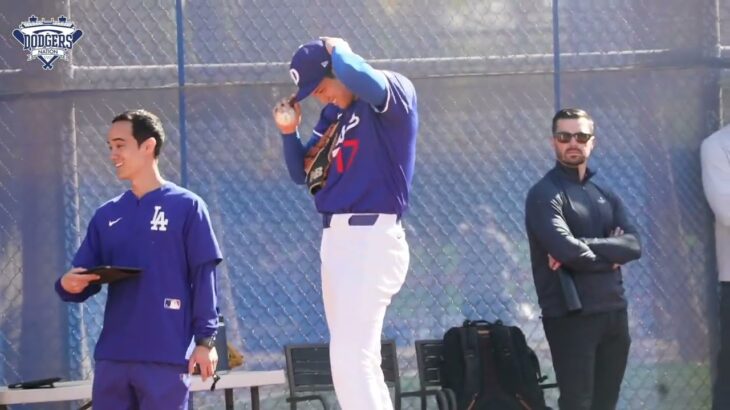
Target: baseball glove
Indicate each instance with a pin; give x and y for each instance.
(235, 358)
(317, 159)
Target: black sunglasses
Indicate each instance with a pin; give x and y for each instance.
(565, 137)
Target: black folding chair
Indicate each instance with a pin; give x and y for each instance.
(429, 354)
(308, 371)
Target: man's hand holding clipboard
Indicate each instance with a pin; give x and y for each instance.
(77, 279)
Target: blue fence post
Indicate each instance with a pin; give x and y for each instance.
(556, 54)
(181, 91)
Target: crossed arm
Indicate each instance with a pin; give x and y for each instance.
(546, 221)
(623, 245)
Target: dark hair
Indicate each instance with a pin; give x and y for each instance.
(145, 125)
(570, 114)
(330, 73)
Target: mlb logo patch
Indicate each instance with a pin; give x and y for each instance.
(172, 304)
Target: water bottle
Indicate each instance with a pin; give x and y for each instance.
(570, 293)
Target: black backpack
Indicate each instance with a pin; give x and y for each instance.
(490, 367)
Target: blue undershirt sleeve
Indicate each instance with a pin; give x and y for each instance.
(205, 315)
(359, 77)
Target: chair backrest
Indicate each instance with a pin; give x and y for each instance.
(389, 363)
(308, 366)
(429, 355)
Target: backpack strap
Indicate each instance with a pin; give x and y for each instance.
(528, 391)
(490, 386)
(467, 337)
(536, 364)
(507, 361)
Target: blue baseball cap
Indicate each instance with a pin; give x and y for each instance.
(309, 66)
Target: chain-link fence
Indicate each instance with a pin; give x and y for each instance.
(650, 72)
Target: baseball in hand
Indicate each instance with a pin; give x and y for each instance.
(285, 114)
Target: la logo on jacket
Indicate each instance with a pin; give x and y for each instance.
(158, 222)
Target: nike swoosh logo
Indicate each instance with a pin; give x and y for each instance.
(111, 223)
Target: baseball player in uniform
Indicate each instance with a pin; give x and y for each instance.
(362, 192)
(160, 325)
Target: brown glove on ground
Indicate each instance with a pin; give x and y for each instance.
(235, 358)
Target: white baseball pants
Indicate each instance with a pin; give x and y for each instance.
(362, 268)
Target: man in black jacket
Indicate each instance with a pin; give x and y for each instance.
(583, 232)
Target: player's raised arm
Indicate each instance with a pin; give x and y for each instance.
(360, 77)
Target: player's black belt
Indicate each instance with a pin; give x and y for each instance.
(355, 220)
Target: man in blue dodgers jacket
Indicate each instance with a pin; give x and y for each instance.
(364, 251)
(160, 325)
(574, 224)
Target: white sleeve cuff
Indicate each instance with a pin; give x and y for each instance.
(387, 100)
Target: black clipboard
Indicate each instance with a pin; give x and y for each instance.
(35, 384)
(109, 274)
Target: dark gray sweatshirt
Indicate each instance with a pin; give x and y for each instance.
(572, 221)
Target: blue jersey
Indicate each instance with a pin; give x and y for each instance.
(167, 233)
(373, 160)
